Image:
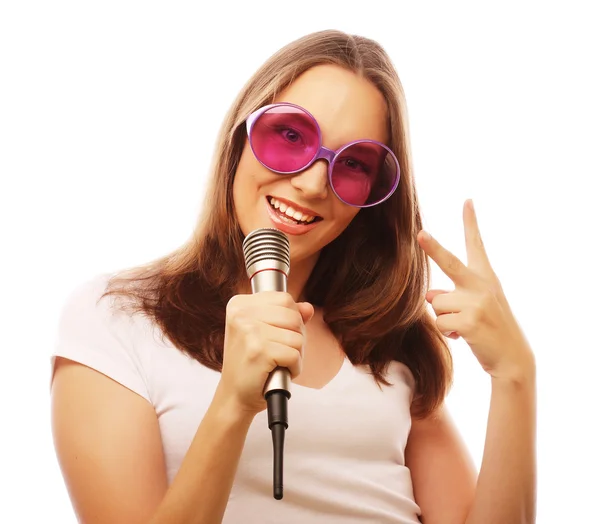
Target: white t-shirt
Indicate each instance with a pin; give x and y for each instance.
(344, 448)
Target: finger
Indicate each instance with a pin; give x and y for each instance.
(476, 255)
(448, 323)
(285, 357)
(258, 301)
(265, 298)
(278, 317)
(274, 298)
(432, 293)
(447, 262)
(307, 311)
(453, 302)
(285, 337)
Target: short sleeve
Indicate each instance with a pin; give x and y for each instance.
(409, 380)
(400, 372)
(94, 334)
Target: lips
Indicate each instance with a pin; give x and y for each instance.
(289, 225)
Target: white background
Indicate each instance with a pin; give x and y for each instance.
(108, 117)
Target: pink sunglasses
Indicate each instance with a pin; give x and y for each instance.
(286, 139)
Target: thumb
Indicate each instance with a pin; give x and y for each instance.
(306, 310)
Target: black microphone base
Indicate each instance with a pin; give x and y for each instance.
(278, 423)
(278, 433)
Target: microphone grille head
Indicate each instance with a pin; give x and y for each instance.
(266, 248)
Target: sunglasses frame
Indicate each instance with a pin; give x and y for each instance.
(322, 152)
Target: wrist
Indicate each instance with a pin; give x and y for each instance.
(521, 372)
(226, 408)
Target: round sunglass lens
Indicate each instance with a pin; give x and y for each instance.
(284, 138)
(364, 173)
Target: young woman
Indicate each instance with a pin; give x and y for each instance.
(158, 412)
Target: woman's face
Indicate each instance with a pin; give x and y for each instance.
(347, 107)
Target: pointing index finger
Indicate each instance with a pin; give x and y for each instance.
(449, 263)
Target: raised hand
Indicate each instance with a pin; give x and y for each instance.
(477, 309)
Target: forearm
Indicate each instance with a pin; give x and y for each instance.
(201, 488)
(506, 488)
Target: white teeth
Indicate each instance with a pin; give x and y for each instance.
(290, 211)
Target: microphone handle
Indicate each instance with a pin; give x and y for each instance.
(277, 389)
(273, 280)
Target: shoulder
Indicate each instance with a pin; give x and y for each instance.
(90, 319)
(94, 332)
(86, 302)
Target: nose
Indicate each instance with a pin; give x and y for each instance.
(313, 181)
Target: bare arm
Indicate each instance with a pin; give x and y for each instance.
(478, 311)
(506, 489)
(443, 474)
(200, 491)
(444, 480)
(108, 444)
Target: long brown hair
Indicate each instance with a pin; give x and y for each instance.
(370, 281)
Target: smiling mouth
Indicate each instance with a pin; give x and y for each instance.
(291, 215)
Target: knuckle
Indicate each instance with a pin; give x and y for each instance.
(237, 318)
(486, 301)
(254, 349)
(234, 305)
(471, 321)
(247, 327)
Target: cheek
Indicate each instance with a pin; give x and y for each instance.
(243, 186)
(249, 182)
(244, 180)
(243, 173)
(348, 212)
(344, 215)
(250, 174)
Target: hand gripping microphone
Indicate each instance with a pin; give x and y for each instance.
(267, 257)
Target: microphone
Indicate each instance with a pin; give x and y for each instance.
(267, 257)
